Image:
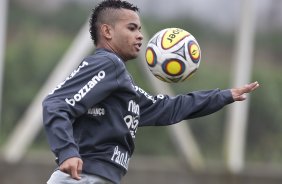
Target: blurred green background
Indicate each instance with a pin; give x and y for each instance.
(37, 39)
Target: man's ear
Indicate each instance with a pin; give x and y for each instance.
(106, 31)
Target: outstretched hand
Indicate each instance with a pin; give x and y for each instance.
(239, 94)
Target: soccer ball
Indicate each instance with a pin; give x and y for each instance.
(173, 55)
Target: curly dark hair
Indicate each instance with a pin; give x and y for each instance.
(100, 12)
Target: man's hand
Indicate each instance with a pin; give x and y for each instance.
(73, 167)
(239, 94)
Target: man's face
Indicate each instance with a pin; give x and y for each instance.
(126, 36)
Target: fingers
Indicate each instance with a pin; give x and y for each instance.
(76, 169)
(256, 85)
(248, 88)
(239, 94)
(73, 167)
(79, 167)
(75, 173)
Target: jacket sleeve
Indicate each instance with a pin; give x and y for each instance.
(86, 86)
(165, 110)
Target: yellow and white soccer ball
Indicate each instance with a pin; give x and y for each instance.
(173, 55)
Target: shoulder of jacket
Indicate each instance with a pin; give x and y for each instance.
(105, 57)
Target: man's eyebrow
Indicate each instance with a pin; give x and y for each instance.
(135, 25)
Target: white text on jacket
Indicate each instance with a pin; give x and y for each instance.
(86, 88)
(120, 157)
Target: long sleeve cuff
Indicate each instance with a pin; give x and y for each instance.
(66, 154)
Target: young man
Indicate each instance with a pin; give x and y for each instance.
(91, 118)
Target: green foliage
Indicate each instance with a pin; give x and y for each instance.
(33, 49)
(264, 131)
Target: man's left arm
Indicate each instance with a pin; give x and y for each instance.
(170, 110)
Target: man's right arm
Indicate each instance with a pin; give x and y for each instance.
(85, 87)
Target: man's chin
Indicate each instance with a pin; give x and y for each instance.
(132, 57)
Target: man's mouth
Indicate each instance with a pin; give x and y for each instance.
(138, 46)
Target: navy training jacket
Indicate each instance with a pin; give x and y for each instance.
(94, 114)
